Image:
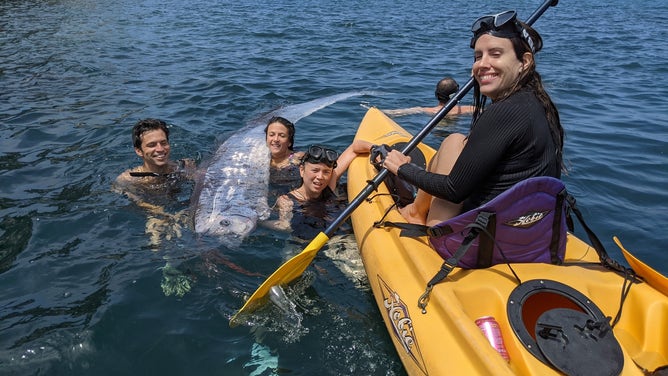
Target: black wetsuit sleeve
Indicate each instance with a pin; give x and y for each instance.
(494, 132)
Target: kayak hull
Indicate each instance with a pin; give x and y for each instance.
(446, 339)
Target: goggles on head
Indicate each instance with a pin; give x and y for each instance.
(503, 25)
(319, 154)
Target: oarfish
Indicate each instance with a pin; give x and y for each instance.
(232, 195)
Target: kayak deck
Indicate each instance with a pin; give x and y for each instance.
(446, 339)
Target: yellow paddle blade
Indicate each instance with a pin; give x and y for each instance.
(285, 274)
(653, 278)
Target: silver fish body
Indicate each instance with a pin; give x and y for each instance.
(232, 195)
(234, 190)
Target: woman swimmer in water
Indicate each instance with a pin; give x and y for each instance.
(280, 137)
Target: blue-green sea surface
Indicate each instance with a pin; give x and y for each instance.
(84, 291)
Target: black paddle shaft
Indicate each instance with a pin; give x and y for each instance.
(412, 144)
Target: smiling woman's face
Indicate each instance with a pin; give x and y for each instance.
(278, 139)
(496, 67)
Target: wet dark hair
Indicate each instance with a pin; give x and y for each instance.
(528, 78)
(445, 88)
(146, 125)
(288, 124)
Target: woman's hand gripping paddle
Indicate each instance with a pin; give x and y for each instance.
(294, 267)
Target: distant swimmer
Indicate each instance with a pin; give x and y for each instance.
(444, 90)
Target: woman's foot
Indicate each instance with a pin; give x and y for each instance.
(411, 214)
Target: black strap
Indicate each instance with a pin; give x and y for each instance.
(556, 227)
(143, 174)
(480, 224)
(629, 274)
(414, 230)
(603, 256)
(486, 246)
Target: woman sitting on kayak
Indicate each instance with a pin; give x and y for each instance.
(307, 209)
(519, 135)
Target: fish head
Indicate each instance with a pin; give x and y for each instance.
(230, 228)
(235, 225)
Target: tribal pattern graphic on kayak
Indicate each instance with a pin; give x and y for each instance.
(402, 325)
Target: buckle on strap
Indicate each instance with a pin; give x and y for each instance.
(481, 220)
(447, 266)
(436, 232)
(424, 299)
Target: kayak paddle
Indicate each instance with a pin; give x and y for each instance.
(294, 267)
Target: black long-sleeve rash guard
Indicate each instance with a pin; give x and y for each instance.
(510, 142)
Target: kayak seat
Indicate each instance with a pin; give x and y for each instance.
(526, 223)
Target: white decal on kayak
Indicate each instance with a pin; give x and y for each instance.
(394, 133)
(401, 323)
(526, 220)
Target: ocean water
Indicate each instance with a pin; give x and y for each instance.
(81, 287)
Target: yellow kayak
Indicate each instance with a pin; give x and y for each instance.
(542, 322)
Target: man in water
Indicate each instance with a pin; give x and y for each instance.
(157, 182)
(151, 142)
(444, 90)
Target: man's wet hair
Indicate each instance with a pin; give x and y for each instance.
(146, 125)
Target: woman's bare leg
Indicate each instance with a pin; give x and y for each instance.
(427, 209)
(416, 212)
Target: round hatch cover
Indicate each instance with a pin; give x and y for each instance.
(576, 344)
(533, 298)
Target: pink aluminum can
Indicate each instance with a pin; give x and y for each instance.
(490, 328)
